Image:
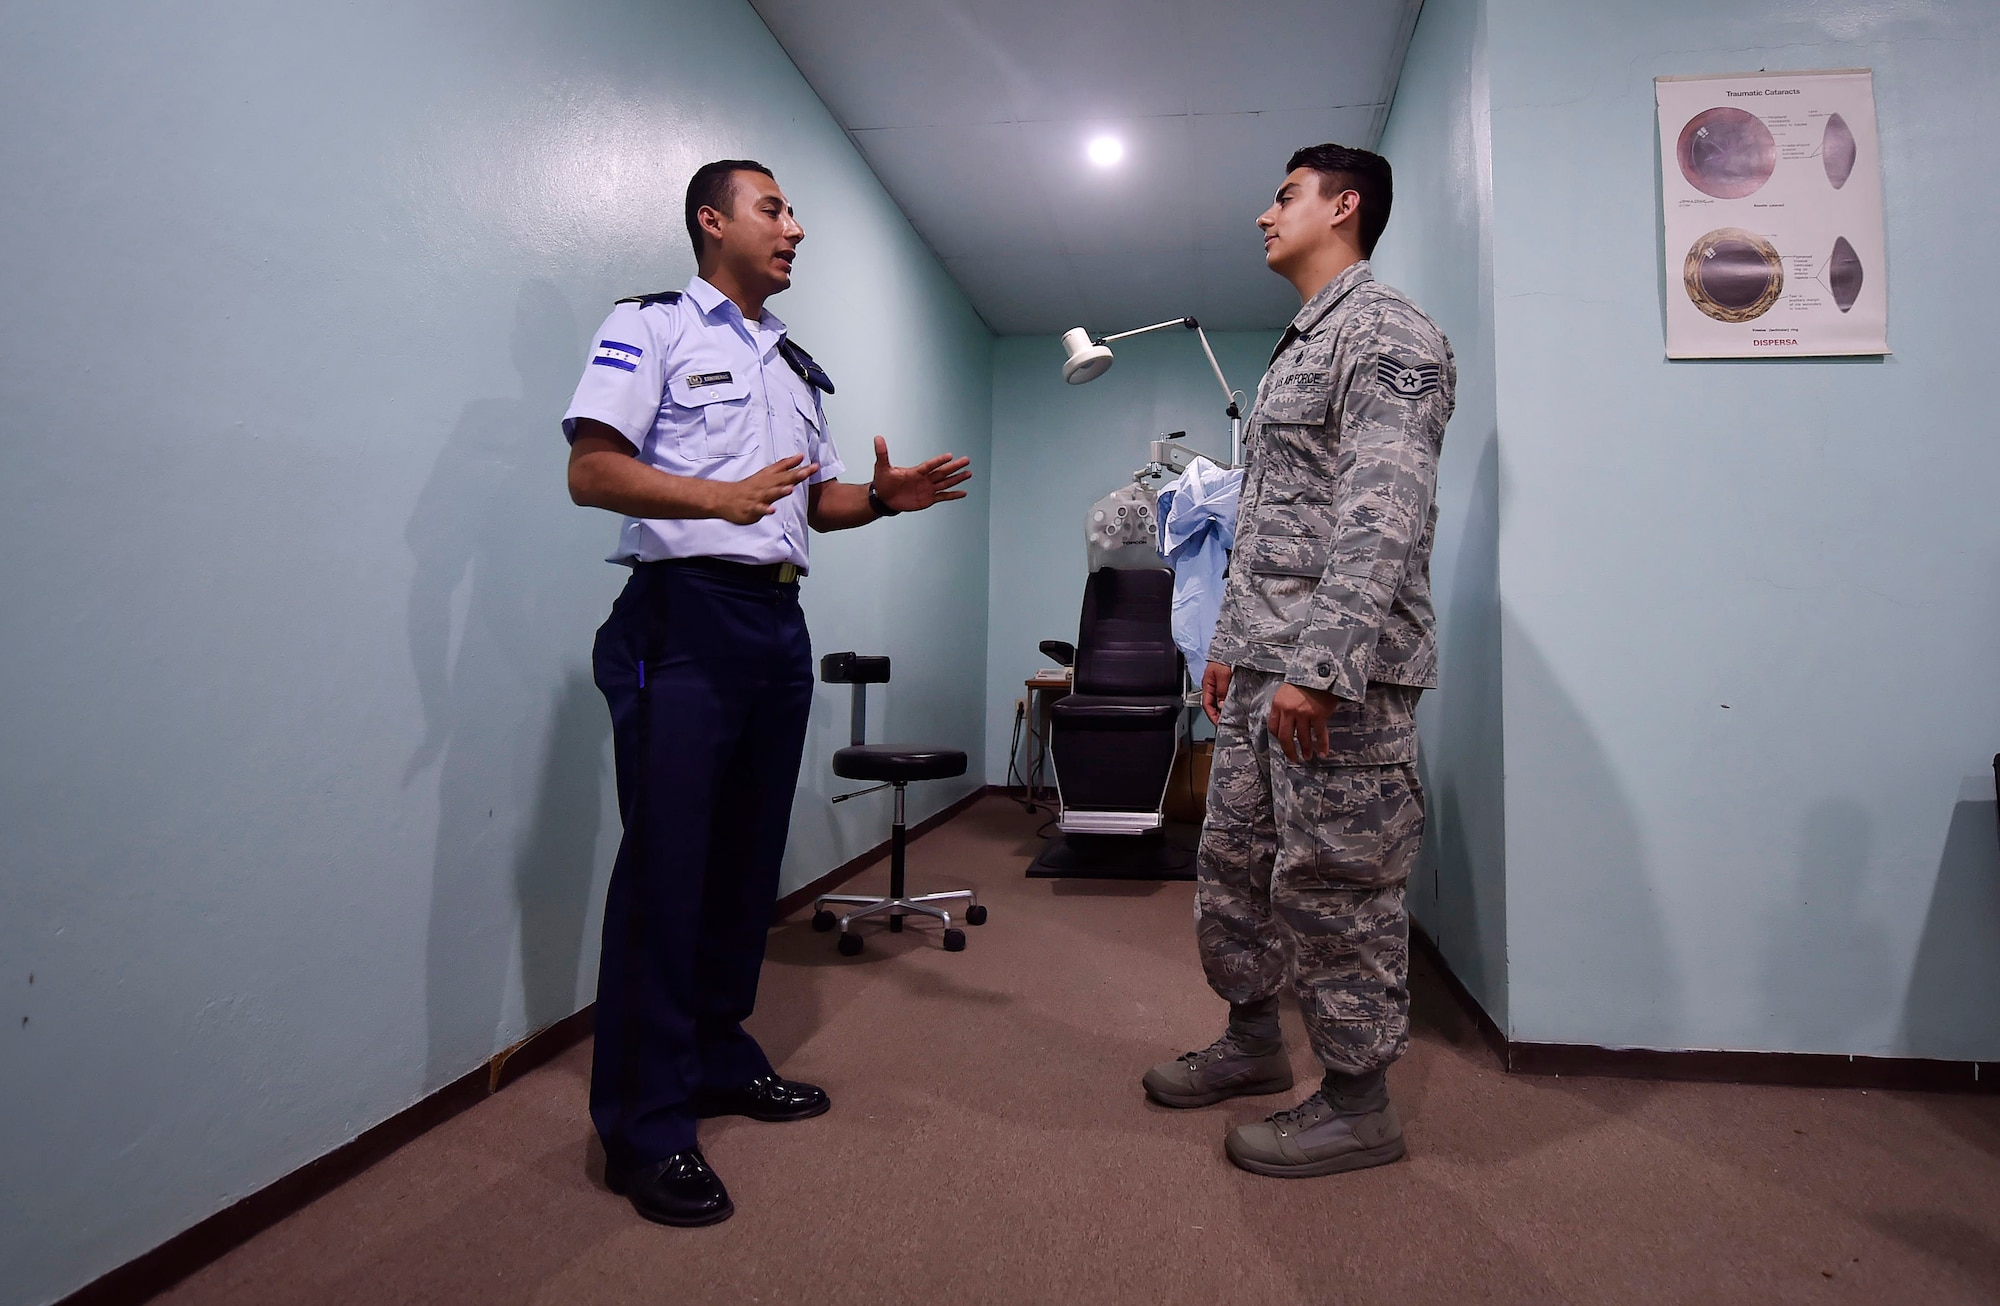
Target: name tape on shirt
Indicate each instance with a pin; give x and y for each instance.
(613, 353)
(1408, 380)
(696, 380)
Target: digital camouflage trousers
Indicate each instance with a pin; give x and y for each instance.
(1302, 868)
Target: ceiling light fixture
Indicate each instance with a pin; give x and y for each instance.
(1105, 150)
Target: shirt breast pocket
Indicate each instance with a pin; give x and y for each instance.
(724, 428)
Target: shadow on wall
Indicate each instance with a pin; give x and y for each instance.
(1826, 967)
(1587, 950)
(1466, 845)
(521, 776)
(1953, 1008)
(815, 823)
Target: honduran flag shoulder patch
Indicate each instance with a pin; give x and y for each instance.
(614, 353)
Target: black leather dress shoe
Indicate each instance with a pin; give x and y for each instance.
(766, 1097)
(680, 1190)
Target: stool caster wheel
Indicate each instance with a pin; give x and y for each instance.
(823, 920)
(954, 940)
(850, 945)
(895, 925)
(975, 914)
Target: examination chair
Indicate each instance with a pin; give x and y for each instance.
(893, 766)
(1113, 738)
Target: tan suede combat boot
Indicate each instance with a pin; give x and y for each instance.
(1219, 1071)
(1316, 1137)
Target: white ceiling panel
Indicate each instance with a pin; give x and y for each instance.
(1138, 206)
(1069, 60)
(975, 114)
(1296, 54)
(1019, 295)
(899, 63)
(1003, 212)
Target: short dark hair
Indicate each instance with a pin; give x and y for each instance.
(1367, 175)
(713, 186)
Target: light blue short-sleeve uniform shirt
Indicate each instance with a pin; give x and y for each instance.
(700, 392)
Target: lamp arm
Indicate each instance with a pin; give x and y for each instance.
(1233, 409)
(1140, 331)
(1235, 413)
(1228, 395)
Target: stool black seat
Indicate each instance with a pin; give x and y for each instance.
(893, 766)
(893, 762)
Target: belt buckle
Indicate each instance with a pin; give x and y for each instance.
(788, 573)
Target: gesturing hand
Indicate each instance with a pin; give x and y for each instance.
(752, 499)
(908, 489)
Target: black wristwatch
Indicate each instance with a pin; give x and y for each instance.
(880, 508)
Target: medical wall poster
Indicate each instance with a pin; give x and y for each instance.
(1772, 187)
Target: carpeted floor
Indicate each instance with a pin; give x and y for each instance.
(988, 1143)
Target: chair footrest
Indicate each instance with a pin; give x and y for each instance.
(1075, 822)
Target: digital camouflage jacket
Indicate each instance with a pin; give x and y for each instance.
(1329, 583)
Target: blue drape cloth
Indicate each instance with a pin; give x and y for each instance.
(1197, 515)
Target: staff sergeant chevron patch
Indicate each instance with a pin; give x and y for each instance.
(1407, 380)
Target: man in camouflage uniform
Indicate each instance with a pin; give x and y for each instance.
(1325, 642)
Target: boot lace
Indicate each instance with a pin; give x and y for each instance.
(1303, 1116)
(1211, 1054)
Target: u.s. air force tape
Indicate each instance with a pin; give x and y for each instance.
(1408, 380)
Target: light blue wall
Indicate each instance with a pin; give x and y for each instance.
(1439, 249)
(1057, 449)
(305, 788)
(1751, 615)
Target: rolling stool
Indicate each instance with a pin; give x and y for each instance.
(894, 766)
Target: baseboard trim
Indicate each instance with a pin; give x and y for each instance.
(1713, 1066)
(1794, 1069)
(202, 1244)
(199, 1245)
(853, 866)
(540, 1048)
(1490, 1032)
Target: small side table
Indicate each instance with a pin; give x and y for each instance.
(1042, 694)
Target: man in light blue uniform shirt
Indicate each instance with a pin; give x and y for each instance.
(704, 394)
(701, 423)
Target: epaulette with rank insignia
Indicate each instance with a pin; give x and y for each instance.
(657, 297)
(810, 372)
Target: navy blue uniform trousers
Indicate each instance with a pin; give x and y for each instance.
(709, 680)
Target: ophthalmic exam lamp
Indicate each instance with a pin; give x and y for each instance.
(1087, 359)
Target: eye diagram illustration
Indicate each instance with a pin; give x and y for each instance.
(1843, 274)
(1836, 151)
(1734, 275)
(1726, 153)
